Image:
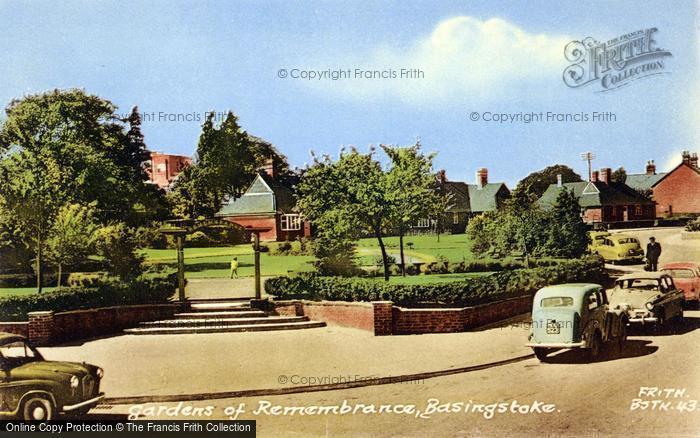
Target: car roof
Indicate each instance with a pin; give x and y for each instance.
(675, 265)
(618, 236)
(571, 289)
(8, 338)
(643, 275)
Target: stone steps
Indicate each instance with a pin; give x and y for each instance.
(223, 322)
(225, 314)
(233, 328)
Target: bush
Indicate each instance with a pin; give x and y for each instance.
(498, 286)
(693, 225)
(145, 289)
(85, 279)
(284, 248)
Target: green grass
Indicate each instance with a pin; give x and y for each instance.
(19, 291)
(214, 262)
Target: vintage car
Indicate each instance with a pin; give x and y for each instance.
(686, 276)
(647, 298)
(597, 239)
(574, 315)
(620, 248)
(32, 388)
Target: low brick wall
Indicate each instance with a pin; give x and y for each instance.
(19, 328)
(49, 328)
(383, 318)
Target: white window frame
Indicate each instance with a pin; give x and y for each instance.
(423, 223)
(290, 222)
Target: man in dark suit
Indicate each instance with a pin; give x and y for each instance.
(653, 254)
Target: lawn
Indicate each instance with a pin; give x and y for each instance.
(214, 262)
(18, 291)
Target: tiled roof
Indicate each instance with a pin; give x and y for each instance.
(595, 194)
(643, 181)
(469, 198)
(264, 196)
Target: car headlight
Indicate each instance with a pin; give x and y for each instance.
(74, 382)
(649, 306)
(100, 373)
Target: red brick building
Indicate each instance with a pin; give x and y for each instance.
(604, 201)
(676, 192)
(267, 203)
(166, 167)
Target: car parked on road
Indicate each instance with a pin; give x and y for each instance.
(575, 315)
(32, 388)
(686, 276)
(597, 239)
(620, 248)
(647, 298)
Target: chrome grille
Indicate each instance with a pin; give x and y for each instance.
(88, 386)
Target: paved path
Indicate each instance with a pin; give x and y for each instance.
(243, 287)
(196, 363)
(590, 399)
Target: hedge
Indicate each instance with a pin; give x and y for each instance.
(480, 290)
(147, 289)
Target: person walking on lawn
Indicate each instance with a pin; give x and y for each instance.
(234, 267)
(653, 254)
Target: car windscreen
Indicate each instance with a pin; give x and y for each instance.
(16, 350)
(557, 302)
(679, 273)
(639, 283)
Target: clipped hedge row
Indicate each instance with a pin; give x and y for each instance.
(147, 289)
(480, 290)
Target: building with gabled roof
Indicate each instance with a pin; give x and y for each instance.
(602, 200)
(676, 192)
(267, 203)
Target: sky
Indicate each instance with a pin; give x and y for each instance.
(177, 60)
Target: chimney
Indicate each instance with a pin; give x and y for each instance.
(269, 168)
(686, 158)
(651, 167)
(605, 175)
(594, 176)
(482, 177)
(442, 177)
(694, 160)
(559, 181)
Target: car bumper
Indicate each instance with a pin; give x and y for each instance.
(644, 319)
(581, 344)
(91, 402)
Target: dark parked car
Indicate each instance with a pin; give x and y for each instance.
(32, 388)
(648, 298)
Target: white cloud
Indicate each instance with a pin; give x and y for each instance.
(463, 56)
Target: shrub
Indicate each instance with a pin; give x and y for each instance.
(145, 289)
(498, 286)
(693, 225)
(284, 248)
(85, 279)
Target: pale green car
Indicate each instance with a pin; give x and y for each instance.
(620, 248)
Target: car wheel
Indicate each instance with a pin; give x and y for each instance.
(541, 353)
(679, 318)
(622, 337)
(37, 408)
(595, 347)
(660, 324)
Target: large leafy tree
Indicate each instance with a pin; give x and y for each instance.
(536, 183)
(226, 161)
(411, 190)
(71, 238)
(568, 235)
(619, 175)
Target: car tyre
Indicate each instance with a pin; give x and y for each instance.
(541, 353)
(37, 408)
(594, 350)
(622, 337)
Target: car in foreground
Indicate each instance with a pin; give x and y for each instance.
(686, 276)
(32, 388)
(647, 298)
(620, 248)
(575, 315)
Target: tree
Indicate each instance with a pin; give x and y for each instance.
(536, 183)
(72, 237)
(568, 235)
(355, 186)
(410, 190)
(117, 244)
(619, 176)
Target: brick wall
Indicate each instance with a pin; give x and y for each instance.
(18, 328)
(416, 321)
(346, 314)
(48, 328)
(678, 192)
(258, 221)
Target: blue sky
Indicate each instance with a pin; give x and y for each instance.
(190, 57)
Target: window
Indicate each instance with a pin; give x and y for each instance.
(638, 210)
(423, 223)
(290, 222)
(557, 302)
(455, 218)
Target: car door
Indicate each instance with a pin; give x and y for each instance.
(595, 312)
(605, 250)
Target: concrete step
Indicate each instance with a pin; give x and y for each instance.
(232, 328)
(220, 305)
(223, 322)
(225, 314)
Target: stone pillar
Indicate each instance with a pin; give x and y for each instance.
(383, 318)
(41, 328)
